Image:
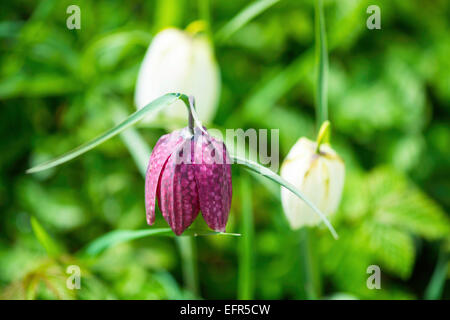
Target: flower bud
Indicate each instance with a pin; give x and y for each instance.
(319, 175)
(177, 61)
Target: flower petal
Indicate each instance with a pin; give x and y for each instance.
(178, 195)
(177, 61)
(213, 176)
(162, 151)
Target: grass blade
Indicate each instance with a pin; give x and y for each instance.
(188, 250)
(435, 288)
(134, 142)
(44, 238)
(256, 167)
(242, 18)
(310, 277)
(155, 105)
(137, 147)
(115, 237)
(119, 236)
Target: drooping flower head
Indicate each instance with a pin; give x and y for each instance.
(189, 172)
(319, 173)
(179, 61)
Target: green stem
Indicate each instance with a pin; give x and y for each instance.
(246, 247)
(137, 147)
(321, 64)
(204, 12)
(194, 121)
(187, 248)
(309, 277)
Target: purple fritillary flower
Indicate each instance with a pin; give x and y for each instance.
(187, 174)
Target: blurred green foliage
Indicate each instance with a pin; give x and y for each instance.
(389, 100)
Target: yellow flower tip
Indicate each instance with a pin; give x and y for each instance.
(324, 134)
(196, 27)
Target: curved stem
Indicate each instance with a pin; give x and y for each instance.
(190, 104)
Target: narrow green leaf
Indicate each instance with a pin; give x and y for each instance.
(155, 105)
(137, 146)
(120, 236)
(256, 167)
(436, 286)
(242, 18)
(322, 65)
(188, 251)
(170, 285)
(134, 142)
(44, 238)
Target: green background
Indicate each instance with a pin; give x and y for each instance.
(389, 104)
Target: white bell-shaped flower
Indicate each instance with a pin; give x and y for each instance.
(178, 61)
(319, 175)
